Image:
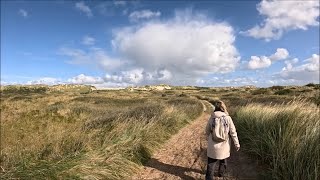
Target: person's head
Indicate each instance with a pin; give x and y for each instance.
(220, 106)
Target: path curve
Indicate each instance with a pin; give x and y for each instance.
(183, 156)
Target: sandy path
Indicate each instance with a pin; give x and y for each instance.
(184, 157)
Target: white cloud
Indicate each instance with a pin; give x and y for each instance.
(184, 45)
(119, 3)
(3, 83)
(96, 81)
(263, 61)
(23, 13)
(220, 81)
(95, 57)
(134, 76)
(259, 62)
(139, 76)
(44, 80)
(87, 40)
(289, 64)
(162, 75)
(83, 79)
(282, 16)
(309, 71)
(175, 51)
(280, 54)
(143, 14)
(84, 8)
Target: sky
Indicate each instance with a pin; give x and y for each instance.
(134, 43)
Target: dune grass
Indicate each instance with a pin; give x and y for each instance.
(285, 137)
(93, 136)
(109, 134)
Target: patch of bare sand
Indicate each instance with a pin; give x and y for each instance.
(184, 157)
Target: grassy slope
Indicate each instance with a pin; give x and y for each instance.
(101, 135)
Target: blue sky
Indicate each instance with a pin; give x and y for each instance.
(124, 43)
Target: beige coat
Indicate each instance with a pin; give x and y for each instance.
(221, 150)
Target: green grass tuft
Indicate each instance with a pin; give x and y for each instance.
(285, 137)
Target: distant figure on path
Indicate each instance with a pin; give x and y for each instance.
(219, 129)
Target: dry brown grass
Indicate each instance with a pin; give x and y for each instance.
(105, 134)
(102, 135)
(285, 137)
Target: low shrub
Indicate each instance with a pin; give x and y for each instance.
(284, 92)
(260, 91)
(276, 87)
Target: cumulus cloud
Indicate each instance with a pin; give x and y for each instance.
(161, 75)
(282, 16)
(289, 64)
(23, 13)
(143, 14)
(44, 80)
(280, 54)
(263, 61)
(134, 76)
(183, 46)
(83, 79)
(309, 71)
(87, 40)
(176, 51)
(84, 8)
(94, 56)
(259, 62)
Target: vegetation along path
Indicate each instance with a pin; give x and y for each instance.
(184, 157)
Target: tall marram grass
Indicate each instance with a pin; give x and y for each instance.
(104, 136)
(284, 137)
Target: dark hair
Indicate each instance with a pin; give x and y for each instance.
(217, 108)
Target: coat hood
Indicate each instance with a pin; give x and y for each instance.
(218, 114)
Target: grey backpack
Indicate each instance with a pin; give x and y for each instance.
(220, 129)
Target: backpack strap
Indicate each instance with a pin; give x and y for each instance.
(225, 122)
(223, 117)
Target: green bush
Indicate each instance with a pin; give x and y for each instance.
(315, 86)
(24, 89)
(311, 85)
(284, 92)
(260, 91)
(276, 87)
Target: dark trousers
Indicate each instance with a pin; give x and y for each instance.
(211, 165)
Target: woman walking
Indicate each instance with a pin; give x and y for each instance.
(219, 129)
